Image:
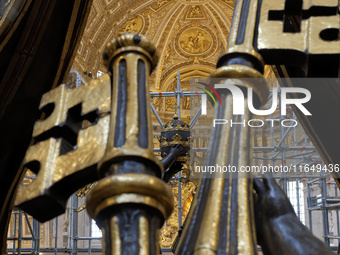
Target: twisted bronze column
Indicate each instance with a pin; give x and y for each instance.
(130, 202)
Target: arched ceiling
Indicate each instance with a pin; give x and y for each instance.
(190, 35)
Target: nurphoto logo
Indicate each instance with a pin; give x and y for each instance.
(239, 105)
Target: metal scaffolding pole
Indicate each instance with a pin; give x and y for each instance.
(324, 208)
(195, 118)
(173, 94)
(293, 148)
(90, 234)
(309, 205)
(298, 197)
(179, 174)
(271, 135)
(178, 95)
(34, 240)
(69, 246)
(156, 114)
(281, 144)
(297, 181)
(290, 148)
(19, 232)
(14, 230)
(73, 207)
(56, 236)
(337, 212)
(292, 157)
(36, 231)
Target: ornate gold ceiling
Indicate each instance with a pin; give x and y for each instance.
(190, 35)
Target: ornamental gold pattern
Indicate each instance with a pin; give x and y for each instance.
(176, 139)
(179, 126)
(162, 23)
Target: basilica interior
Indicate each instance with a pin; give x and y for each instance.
(190, 35)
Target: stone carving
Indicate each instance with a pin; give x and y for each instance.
(195, 12)
(157, 103)
(170, 104)
(168, 58)
(159, 4)
(133, 25)
(186, 103)
(194, 1)
(195, 41)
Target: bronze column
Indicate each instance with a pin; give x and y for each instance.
(130, 202)
(221, 220)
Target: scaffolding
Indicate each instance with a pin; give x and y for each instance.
(318, 192)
